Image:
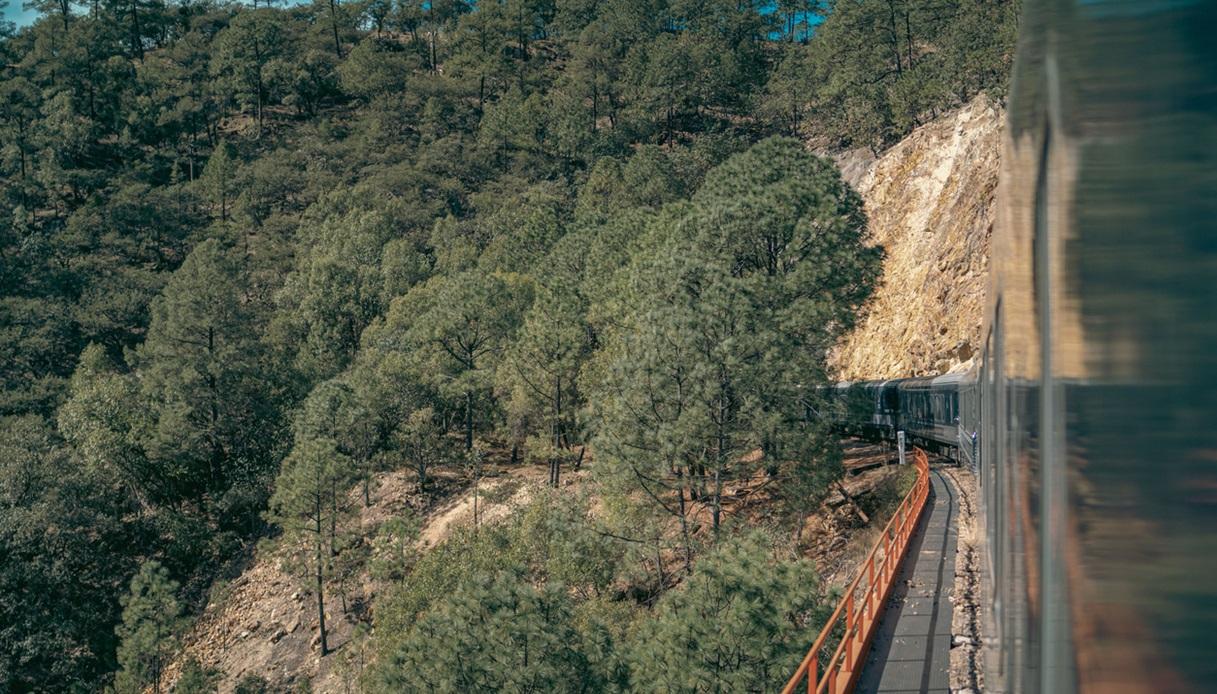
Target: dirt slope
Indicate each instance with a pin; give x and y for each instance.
(930, 202)
(264, 623)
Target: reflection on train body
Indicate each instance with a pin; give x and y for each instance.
(1096, 398)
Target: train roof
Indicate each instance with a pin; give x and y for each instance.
(944, 381)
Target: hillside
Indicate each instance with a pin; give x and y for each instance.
(256, 257)
(263, 623)
(930, 204)
(929, 200)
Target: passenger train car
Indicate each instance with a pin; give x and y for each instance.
(1097, 395)
(1094, 406)
(926, 409)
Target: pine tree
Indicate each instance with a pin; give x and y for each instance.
(726, 313)
(218, 179)
(424, 444)
(101, 419)
(454, 329)
(541, 369)
(524, 641)
(739, 623)
(209, 392)
(339, 284)
(309, 503)
(195, 679)
(148, 633)
(245, 52)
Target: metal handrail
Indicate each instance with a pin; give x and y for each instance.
(964, 446)
(841, 673)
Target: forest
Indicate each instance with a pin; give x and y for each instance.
(254, 256)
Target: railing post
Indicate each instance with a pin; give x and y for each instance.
(849, 632)
(872, 595)
(812, 669)
(887, 555)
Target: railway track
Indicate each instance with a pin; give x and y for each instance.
(911, 649)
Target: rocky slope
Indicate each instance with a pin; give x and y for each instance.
(264, 622)
(930, 202)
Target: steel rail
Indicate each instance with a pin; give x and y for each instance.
(842, 669)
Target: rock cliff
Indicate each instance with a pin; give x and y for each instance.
(930, 202)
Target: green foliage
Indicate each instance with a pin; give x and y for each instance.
(876, 69)
(195, 679)
(310, 504)
(253, 255)
(102, 421)
(555, 539)
(741, 622)
(252, 684)
(393, 549)
(246, 56)
(725, 315)
(148, 633)
(65, 545)
(453, 332)
(425, 444)
(524, 641)
(202, 378)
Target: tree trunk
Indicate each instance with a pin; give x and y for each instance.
(684, 531)
(333, 518)
(612, 102)
(895, 34)
(720, 460)
(477, 481)
(717, 508)
(659, 564)
(908, 34)
(325, 648)
(217, 453)
(469, 421)
(595, 104)
(137, 42)
(334, 27)
(853, 504)
(555, 463)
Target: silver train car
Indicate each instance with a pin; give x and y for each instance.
(1095, 404)
(926, 409)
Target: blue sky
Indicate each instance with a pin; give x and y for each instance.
(14, 13)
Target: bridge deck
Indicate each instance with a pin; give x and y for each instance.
(911, 651)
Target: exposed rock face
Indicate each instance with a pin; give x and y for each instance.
(930, 202)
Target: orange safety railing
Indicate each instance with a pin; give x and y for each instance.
(862, 603)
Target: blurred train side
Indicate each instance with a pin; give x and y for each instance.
(1095, 401)
(1096, 398)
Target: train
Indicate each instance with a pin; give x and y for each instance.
(1089, 419)
(926, 409)
(1095, 396)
